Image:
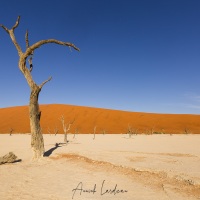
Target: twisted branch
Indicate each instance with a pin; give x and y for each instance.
(41, 42)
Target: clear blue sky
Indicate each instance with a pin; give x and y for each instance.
(136, 55)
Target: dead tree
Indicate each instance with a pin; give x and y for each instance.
(94, 132)
(55, 130)
(49, 131)
(152, 130)
(11, 131)
(103, 131)
(76, 132)
(37, 142)
(129, 131)
(66, 127)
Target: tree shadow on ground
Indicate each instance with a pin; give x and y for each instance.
(16, 161)
(50, 151)
(9, 163)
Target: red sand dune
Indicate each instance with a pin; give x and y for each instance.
(86, 118)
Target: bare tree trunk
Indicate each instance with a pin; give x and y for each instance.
(76, 132)
(94, 132)
(65, 137)
(55, 130)
(37, 142)
(130, 132)
(66, 127)
(11, 131)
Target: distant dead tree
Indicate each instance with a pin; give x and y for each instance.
(162, 131)
(37, 142)
(94, 132)
(103, 131)
(186, 130)
(49, 131)
(66, 127)
(129, 131)
(55, 130)
(76, 132)
(11, 131)
(152, 130)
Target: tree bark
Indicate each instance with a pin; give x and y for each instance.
(37, 142)
(65, 137)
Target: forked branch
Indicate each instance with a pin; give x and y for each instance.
(13, 28)
(16, 24)
(12, 35)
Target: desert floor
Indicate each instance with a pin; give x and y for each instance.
(143, 167)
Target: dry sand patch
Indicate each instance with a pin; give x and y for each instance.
(104, 162)
(159, 180)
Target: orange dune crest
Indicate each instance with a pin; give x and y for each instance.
(105, 120)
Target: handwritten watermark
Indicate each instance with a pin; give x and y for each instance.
(103, 190)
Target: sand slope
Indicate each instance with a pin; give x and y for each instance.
(86, 118)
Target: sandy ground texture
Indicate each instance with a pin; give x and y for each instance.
(143, 167)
